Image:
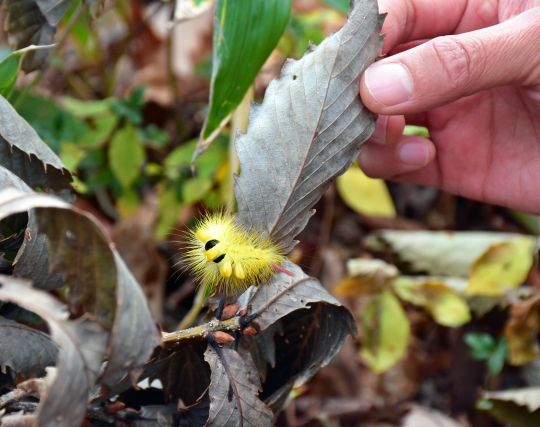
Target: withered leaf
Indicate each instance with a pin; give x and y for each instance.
(302, 329)
(82, 347)
(101, 287)
(308, 130)
(233, 392)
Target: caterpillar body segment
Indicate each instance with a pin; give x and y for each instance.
(226, 258)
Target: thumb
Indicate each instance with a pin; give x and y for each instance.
(450, 67)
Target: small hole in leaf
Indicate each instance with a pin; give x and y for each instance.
(294, 77)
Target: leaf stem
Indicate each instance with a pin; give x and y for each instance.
(201, 331)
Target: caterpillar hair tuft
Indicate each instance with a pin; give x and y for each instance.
(226, 258)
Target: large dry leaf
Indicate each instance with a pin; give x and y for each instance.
(24, 153)
(308, 130)
(234, 389)
(437, 253)
(528, 397)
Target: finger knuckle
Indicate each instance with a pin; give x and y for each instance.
(458, 60)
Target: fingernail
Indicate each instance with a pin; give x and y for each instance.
(390, 84)
(379, 134)
(414, 154)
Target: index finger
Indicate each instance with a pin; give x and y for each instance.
(409, 20)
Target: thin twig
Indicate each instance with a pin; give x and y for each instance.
(201, 331)
(230, 325)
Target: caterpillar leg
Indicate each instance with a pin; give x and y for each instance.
(219, 309)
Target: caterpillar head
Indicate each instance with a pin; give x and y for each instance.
(215, 251)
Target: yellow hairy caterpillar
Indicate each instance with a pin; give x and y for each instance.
(226, 258)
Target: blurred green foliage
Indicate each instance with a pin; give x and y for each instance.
(109, 147)
(486, 348)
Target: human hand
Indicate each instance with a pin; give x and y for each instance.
(477, 90)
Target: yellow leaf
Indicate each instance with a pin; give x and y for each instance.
(443, 303)
(356, 287)
(367, 276)
(502, 267)
(385, 331)
(364, 195)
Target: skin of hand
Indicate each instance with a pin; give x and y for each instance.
(468, 70)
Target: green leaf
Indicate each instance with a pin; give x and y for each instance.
(416, 131)
(87, 108)
(9, 68)
(126, 155)
(169, 208)
(386, 332)
(245, 33)
(481, 344)
(484, 347)
(194, 190)
(496, 361)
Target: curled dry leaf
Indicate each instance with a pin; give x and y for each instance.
(32, 259)
(102, 291)
(184, 374)
(82, 347)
